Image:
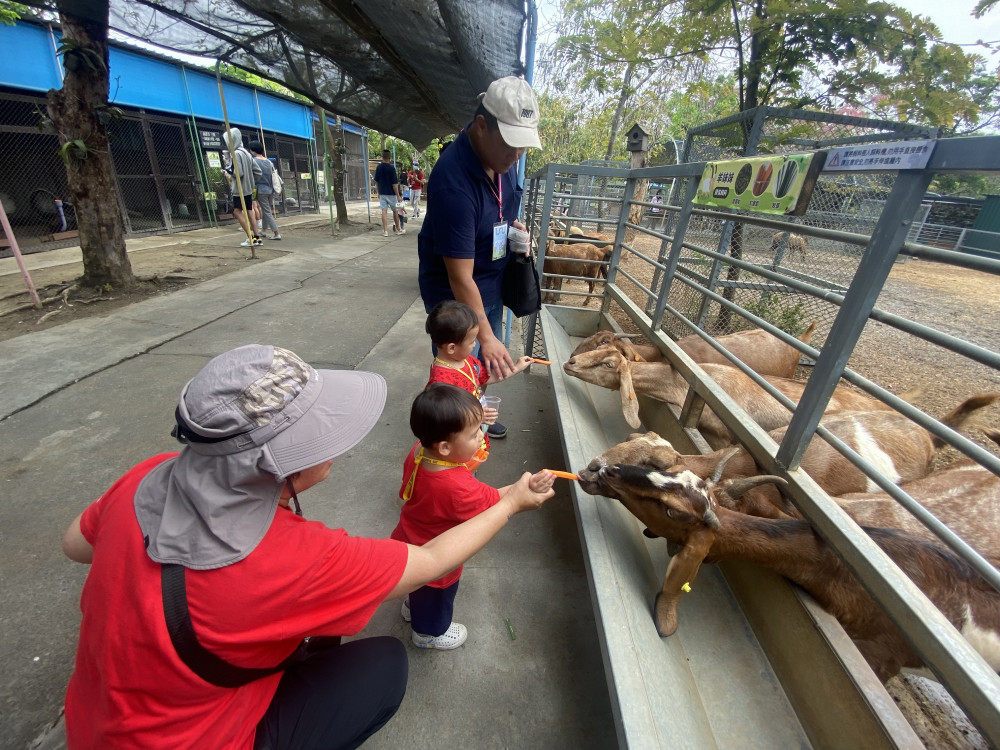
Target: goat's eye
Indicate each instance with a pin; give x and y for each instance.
(670, 513)
(609, 364)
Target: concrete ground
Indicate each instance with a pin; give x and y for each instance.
(85, 401)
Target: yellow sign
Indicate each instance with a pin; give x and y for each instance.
(767, 184)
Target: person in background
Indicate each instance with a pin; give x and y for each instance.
(415, 178)
(439, 492)
(265, 191)
(243, 190)
(212, 611)
(389, 193)
(655, 213)
(473, 196)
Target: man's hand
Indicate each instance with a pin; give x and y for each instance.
(493, 354)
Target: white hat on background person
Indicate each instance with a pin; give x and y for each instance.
(512, 101)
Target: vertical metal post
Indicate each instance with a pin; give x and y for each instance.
(675, 254)
(886, 240)
(5, 224)
(543, 238)
(232, 155)
(368, 187)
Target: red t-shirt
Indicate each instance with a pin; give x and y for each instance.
(129, 688)
(440, 501)
(471, 377)
(416, 178)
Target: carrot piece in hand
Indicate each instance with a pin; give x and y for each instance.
(564, 474)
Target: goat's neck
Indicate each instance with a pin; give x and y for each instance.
(786, 547)
(658, 380)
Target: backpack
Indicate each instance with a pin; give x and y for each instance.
(276, 182)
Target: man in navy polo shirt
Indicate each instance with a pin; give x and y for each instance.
(473, 196)
(389, 193)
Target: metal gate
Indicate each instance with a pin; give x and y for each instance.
(684, 278)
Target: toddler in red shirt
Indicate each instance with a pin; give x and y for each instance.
(453, 328)
(440, 492)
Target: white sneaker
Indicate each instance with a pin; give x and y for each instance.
(246, 243)
(453, 637)
(405, 610)
(401, 231)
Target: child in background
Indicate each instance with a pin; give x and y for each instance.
(453, 327)
(439, 492)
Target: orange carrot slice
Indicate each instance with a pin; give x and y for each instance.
(564, 474)
(541, 361)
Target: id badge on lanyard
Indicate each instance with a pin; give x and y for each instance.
(499, 240)
(500, 228)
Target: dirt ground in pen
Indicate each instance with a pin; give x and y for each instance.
(957, 301)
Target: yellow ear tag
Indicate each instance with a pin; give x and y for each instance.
(686, 588)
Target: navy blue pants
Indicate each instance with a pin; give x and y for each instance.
(336, 699)
(431, 609)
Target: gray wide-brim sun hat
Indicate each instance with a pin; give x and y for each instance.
(250, 419)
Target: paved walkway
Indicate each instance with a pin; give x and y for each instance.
(86, 400)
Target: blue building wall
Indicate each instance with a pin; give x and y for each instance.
(150, 83)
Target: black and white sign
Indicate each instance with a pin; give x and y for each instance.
(876, 156)
(210, 139)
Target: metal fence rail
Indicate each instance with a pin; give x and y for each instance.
(687, 274)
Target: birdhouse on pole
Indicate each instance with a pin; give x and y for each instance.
(638, 139)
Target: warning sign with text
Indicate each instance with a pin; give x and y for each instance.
(877, 156)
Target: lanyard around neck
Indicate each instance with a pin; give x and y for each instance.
(496, 194)
(475, 384)
(419, 458)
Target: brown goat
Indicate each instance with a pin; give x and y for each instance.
(683, 508)
(609, 368)
(796, 242)
(757, 349)
(579, 259)
(963, 496)
(897, 446)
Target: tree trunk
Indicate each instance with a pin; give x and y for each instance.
(333, 153)
(752, 73)
(79, 112)
(340, 170)
(616, 123)
(641, 188)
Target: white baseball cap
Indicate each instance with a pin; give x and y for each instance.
(512, 101)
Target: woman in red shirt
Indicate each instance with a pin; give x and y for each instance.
(206, 593)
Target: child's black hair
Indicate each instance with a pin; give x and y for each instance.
(442, 411)
(450, 322)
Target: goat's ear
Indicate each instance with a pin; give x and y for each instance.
(629, 351)
(683, 569)
(630, 405)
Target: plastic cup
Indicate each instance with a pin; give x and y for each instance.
(519, 240)
(492, 402)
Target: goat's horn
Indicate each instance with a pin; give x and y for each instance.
(717, 474)
(737, 487)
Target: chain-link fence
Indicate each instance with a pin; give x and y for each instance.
(33, 184)
(168, 170)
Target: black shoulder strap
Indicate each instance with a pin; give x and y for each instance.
(201, 661)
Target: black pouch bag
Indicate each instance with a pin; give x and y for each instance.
(520, 291)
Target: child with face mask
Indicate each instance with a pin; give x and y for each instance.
(440, 492)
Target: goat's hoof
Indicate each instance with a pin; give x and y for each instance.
(665, 616)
